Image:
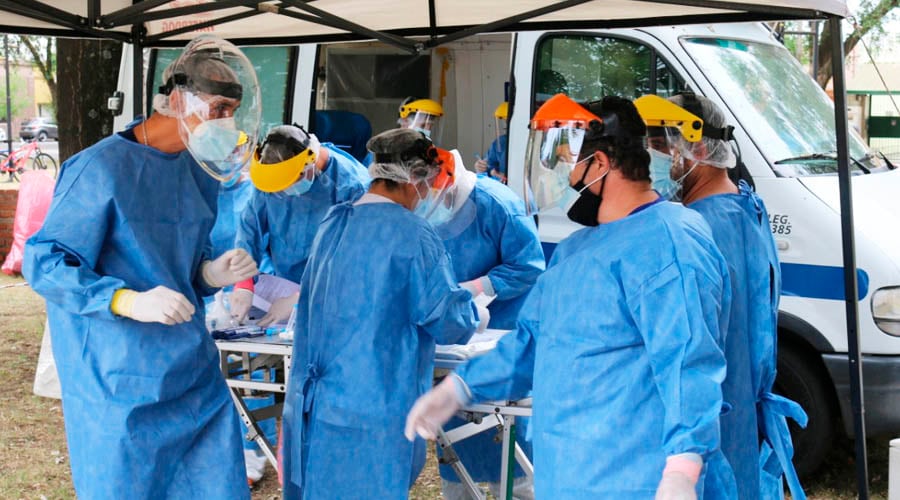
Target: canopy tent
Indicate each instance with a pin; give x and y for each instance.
(164, 23)
(392, 21)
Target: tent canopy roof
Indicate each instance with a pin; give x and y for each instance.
(392, 21)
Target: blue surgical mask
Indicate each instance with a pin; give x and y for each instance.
(661, 174)
(424, 131)
(440, 215)
(298, 188)
(213, 140)
(433, 211)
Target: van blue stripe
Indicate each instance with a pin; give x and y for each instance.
(799, 280)
(819, 282)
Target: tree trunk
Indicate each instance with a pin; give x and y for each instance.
(87, 73)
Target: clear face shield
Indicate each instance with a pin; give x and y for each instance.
(448, 205)
(441, 195)
(215, 96)
(427, 123)
(673, 135)
(500, 126)
(500, 117)
(667, 166)
(239, 162)
(549, 160)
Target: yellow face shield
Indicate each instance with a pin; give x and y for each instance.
(659, 112)
(276, 177)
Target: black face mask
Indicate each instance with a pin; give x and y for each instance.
(584, 210)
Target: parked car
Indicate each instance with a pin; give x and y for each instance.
(42, 128)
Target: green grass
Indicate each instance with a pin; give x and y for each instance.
(34, 459)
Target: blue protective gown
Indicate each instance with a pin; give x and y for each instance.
(619, 342)
(740, 226)
(146, 408)
(285, 225)
(503, 244)
(496, 155)
(232, 202)
(377, 294)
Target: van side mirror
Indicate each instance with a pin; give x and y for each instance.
(114, 102)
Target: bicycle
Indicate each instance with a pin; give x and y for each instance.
(16, 162)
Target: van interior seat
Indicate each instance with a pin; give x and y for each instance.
(347, 130)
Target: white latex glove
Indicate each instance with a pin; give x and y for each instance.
(279, 311)
(484, 317)
(478, 286)
(157, 305)
(679, 479)
(240, 301)
(433, 410)
(481, 165)
(232, 266)
(471, 286)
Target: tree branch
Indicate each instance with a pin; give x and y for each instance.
(45, 65)
(866, 23)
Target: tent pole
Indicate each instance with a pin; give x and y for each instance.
(851, 293)
(137, 59)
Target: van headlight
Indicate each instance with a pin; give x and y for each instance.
(886, 310)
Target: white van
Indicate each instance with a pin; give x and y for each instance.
(784, 129)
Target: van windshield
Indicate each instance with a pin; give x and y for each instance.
(779, 105)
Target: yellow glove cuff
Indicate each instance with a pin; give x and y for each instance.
(122, 302)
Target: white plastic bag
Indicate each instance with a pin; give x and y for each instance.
(46, 381)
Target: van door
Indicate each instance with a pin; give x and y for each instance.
(371, 79)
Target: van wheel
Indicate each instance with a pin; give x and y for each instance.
(42, 136)
(803, 380)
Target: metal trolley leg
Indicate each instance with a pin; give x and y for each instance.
(451, 459)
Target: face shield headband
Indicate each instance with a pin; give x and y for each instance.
(231, 90)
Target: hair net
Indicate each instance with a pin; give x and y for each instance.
(402, 155)
(715, 152)
(285, 142)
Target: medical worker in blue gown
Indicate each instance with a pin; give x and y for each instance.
(618, 338)
(123, 260)
(378, 293)
(494, 162)
(295, 187)
(755, 436)
(495, 250)
(234, 194)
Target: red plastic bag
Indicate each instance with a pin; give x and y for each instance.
(35, 194)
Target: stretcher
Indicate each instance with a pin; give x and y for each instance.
(266, 355)
(482, 417)
(271, 355)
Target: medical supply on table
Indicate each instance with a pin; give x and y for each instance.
(274, 330)
(287, 332)
(238, 332)
(218, 315)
